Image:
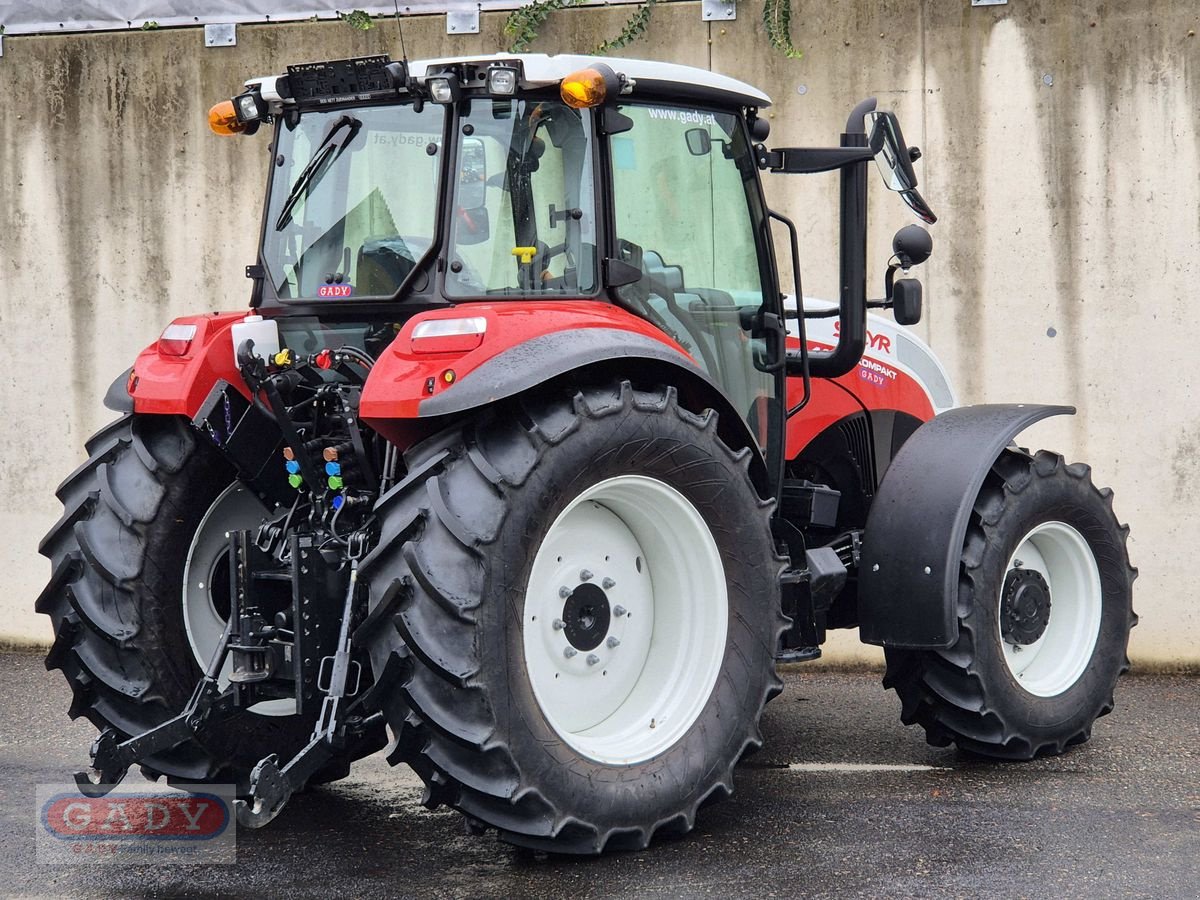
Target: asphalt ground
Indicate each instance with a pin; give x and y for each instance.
(843, 801)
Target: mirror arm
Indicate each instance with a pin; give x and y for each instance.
(852, 304)
(810, 160)
(851, 158)
(856, 122)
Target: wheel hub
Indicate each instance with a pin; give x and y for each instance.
(625, 619)
(586, 616)
(1025, 609)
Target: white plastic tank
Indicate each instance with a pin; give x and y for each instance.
(264, 333)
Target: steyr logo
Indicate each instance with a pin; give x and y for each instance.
(875, 341)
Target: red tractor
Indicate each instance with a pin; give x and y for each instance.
(523, 465)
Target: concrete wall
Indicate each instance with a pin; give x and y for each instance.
(1061, 151)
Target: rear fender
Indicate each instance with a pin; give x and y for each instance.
(179, 385)
(908, 576)
(410, 396)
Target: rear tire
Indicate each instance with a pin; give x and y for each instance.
(1044, 611)
(557, 494)
(115, 598)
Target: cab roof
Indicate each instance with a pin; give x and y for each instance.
(646, 78)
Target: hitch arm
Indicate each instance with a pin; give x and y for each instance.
(112, 758)
(271, 786)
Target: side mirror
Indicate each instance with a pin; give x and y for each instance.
(698, 141)
(472, 174)
(895, 160)
(906, 301)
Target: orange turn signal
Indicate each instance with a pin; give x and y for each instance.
(222, 119)
(583, 89)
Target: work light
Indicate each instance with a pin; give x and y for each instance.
(502, 80)
(443, 88)
(250, 107)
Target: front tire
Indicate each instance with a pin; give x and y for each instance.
(1045, 610)
(578, 602)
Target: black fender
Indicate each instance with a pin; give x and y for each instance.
(117, 396)
(589, 353)
(908, 574)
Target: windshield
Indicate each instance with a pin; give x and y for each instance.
(524, 218)
(353, 204)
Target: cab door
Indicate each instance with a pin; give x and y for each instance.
(689, 214)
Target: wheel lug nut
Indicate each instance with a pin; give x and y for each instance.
(564, 592)
(559, 624)
(585, 575)
(607, 584)
(568, 652)
(613, 641)
(592, 659)
(619, 611)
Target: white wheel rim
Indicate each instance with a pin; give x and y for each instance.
(1057, 659)
(650, 552)
(236, 508)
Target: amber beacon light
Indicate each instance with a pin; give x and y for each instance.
(223, 119)
(584, 89)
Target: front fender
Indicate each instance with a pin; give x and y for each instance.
(908, 575)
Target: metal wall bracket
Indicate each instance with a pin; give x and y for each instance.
(718, 10)
(220, 35)
(463, 21)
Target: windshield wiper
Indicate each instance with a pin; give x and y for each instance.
(321, 162)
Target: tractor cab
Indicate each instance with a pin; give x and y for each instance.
(410, 186)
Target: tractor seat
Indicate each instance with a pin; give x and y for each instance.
(383, 263)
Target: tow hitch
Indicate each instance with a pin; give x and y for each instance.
(271, 786)
(293, 592)
(264, 658)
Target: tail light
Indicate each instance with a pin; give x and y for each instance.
(176, 340)
(448, 335)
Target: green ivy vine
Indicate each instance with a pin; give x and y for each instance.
(522, 25)
(358, 20)
(634, 28)
(777, 20)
